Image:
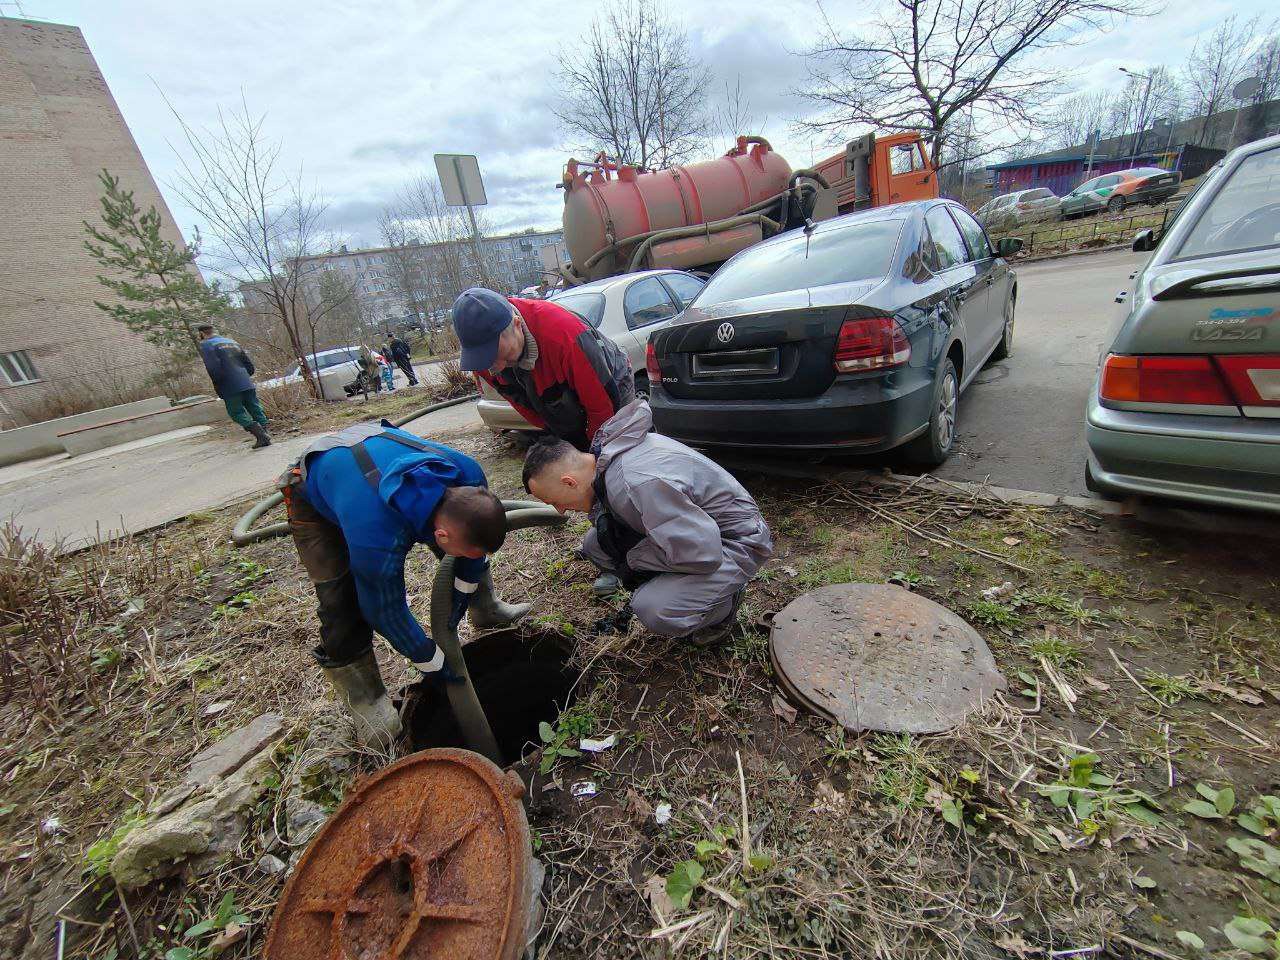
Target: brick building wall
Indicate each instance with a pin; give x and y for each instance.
(59, 126)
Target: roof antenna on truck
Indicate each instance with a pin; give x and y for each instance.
(809, 227)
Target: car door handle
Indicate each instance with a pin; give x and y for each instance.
(1120, 297)
(961, 296)
(991, 278)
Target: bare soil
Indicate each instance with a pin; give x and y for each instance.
(120, 663)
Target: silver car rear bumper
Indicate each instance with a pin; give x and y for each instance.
(1222, 461)
(498, 415)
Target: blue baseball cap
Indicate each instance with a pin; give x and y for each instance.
(479, 317)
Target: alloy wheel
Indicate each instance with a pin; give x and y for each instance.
(947, 412)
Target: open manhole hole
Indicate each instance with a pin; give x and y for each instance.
(521, 678)
(871, 656)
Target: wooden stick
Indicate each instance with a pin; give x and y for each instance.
(677, 927)
(1240, 730)
(1134, 680)
(1067, 695)
(746, 827)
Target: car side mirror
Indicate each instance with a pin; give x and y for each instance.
(1144, 240)
(1008, 246)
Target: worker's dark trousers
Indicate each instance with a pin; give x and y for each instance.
(407, 367)
(345, 636)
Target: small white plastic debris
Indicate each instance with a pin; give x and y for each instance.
(598, 746)
(662, 813)
(995, 593)
(1012, 541)
(50, 826)
(583, 788)
(213, 709)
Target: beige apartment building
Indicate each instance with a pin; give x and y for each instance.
(60, 126)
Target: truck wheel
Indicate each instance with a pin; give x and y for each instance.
(933, 446)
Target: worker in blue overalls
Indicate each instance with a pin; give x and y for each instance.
(358, 500)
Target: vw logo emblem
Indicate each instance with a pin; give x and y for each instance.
(724, 333)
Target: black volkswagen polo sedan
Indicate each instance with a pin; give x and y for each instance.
(855, 335)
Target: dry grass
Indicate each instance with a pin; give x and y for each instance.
(854, 855)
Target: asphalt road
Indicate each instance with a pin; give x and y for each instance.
(1022, 420)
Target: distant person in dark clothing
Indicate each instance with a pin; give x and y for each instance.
(231, 371)
(400, 357)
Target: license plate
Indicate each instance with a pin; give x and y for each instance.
(736, 363)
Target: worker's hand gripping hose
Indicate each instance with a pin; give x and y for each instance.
(477, 735)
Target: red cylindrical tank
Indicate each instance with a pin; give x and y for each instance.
(605, 203)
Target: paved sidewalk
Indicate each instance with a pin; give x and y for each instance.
(147, 483)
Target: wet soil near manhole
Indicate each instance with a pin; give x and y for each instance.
(522, 678)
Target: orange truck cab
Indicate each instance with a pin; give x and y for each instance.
(875, 171)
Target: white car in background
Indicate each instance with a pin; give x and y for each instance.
(336, 368)
(626, 309)
(1021, 206)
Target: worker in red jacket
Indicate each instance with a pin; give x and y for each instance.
(561, 374)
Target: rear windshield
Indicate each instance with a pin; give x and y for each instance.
(589, 306)
(859, 252)
(1244, 215)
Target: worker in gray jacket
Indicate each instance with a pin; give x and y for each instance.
(676, 528)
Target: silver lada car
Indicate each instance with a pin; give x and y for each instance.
(1187, 401)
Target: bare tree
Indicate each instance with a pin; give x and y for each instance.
(924, 64)
(408, 269)
(1265, 65)
(1135, 108)
(734, 117)
(1217, 63)
(632, 89)
(434, 245)
(265, 223)
(1073, 120)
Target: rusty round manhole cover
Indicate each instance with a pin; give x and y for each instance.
(427, 859)
(871, 656)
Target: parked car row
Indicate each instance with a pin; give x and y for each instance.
(1112, 192)
(858, 335)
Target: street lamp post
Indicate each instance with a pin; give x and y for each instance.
(1142, 110)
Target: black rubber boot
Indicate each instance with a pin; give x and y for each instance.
(487, 610)
(359, 686)
(606, 585)
(718, 632)
(260, 434)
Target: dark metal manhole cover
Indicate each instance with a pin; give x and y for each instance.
(427, 859)
(876, 657)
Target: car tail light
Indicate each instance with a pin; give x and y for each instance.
(651, 366)
(1163, 380)
(1255, 381)
(874, 343)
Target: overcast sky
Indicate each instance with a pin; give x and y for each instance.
(363, 94)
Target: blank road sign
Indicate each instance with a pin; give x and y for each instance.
(460, 179)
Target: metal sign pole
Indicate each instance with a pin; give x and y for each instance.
(475, 229)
